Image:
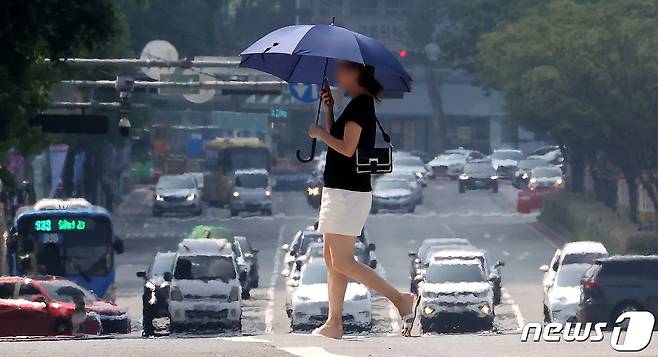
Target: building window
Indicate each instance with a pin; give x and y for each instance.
(364, 7)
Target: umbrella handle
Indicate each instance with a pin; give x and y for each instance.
(299, 152)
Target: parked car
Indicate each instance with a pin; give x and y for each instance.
(394, 195)
(506, 162)
(561, 298)
(427, 248)
(451, 162)
(478, 176)
(552, 154)
(456, 294)
(309, 304)
(618, 284)
(55, 306)
(251, 192)
(177, 194)
(204, 292)
(581, 252)
(546, 178)
(155, 296)
(522, 175)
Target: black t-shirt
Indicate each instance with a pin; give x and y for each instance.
(340, 170)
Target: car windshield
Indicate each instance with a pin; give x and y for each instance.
(585, 258)
(66, 291)
(546, 172)
(480, 168)
(571, 274)
(531, 164)
(507, 155)
(308, 239)
(314, 274)
(408, 161)
(316, 251)
(382, 185)
(176, 183)
(204, 267)
(454, 273)
(162, 264)
(251, 181)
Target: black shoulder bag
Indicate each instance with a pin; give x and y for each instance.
(375, 160)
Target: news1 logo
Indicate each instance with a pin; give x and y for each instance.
(638, 325)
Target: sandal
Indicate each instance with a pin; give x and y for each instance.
(409, 319)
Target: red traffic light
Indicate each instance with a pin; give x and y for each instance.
(403, 53)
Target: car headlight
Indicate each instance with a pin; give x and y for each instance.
(558, 182)
(236, 194)
(419, 174)
(191, 197)
(485, 308)
(494, 177)
(268, 193)
(159, 198)
(428, 310)
(533, 181)
(313, 191)
(361, 297)
(524, 176)
(463, 177)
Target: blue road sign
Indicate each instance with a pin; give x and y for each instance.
(307, 93)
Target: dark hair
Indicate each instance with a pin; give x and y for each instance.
(367, 79)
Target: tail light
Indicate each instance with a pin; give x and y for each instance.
(234, 295)
(590, 283)
(175, 294)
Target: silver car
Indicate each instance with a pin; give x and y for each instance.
(251, 192)
(394, 195)
(177, 194)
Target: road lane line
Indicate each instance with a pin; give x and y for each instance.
(543, 236)
(520, 321)
(310, 352)
(269, 311)
(449, 230)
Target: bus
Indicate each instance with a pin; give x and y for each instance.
(69, 238)
(223, 157)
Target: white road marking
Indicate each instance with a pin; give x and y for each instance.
(310, 352)
(249, 339)
(269, 310)
(392, 310)
(449, 230)
(520, 321)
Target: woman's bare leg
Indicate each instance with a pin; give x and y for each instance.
(336, 284)
(341, 249)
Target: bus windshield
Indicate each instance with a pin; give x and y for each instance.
(70, 245)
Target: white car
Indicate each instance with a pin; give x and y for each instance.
(205, 288)
(562, 297)
(412, 165)
(456, 293)
(309, 303)
(581, 252)
(506, 162)
(546, 177)
(451, 162)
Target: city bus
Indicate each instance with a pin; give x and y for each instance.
(223, 157)
(69, 238)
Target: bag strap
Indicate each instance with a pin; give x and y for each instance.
(385, 136)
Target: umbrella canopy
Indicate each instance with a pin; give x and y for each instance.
(299, 54)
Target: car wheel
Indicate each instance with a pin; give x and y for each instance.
(487, 323)
(234, 213)
(246, 294)
(157, 213)
(425, 325)
(412, 209)
(62, 328)
(254, 281)
(462, 189)
(496, 297)
(622, 308)
(547, 315)
(373, 210)
(198, 212)
(495, 189)
(267, 212)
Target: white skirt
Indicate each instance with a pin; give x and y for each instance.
(343, 212)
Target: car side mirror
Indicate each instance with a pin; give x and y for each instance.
(544, 268)
(493, 277)
(499, 264)
(285, 247)
(118, 245)
(167, 276)
(555, 266)
(298, 265)
(255, 251)
(38, 298)
(373, 264)
(372, 247)
(285, 273)
(412, 254)
(141, 274)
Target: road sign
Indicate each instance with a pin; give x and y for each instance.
(307, 93)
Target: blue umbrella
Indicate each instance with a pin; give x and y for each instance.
(309, 54)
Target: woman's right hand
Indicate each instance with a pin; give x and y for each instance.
(327, 100)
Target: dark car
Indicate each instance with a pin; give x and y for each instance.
(618, 284)
(428, 247)
(156, 290)
(250, 255)
(478, 176)
(522, 175)
(314, 192)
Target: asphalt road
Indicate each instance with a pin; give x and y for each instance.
(488, 220)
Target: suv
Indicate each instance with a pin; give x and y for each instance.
(251, 192)
(618, 284)
(177, 193)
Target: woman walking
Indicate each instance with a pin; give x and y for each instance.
(347, 196)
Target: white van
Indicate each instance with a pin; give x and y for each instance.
(205, 290)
